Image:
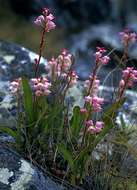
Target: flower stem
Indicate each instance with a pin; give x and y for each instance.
(40, 52)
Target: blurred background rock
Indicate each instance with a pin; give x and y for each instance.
(16, 23)
(81, 26)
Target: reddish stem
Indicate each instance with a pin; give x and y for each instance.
(40, 52)
(124, 88)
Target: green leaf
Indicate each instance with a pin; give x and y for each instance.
(123, 124)
(75, 122)
(67, 155)
(28, 100)
(109, 120)
(110, 113)
(9, 131)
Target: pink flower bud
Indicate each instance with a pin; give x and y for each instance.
(88, 99)
(89, 123)
(83, 110)
(127, 36)
(122, 83)
(45, 20)
(40, 21)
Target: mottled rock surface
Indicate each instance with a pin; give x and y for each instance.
(18, 174)
(15, 61)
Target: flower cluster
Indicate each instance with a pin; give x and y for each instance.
(94, 128)
(101, 59)
(61, 67)
(95, 85)
(15, 86)
(127, 36)
(96, 102)
(65, 60)
(45, 20)
(129, 76)
(40, 86)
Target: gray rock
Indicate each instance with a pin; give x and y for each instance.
(15, 61)
(18, 174)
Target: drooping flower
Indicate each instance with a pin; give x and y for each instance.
(15, 86)
(40, 86)
(129, 77)
(128, 37)
(40, 21)
(100, 58)
(88, 99)
(94, 128)
(83, 110)
(45, 20)
(65, 60)
(61, 66)
(95, 85)
(96, 102)
(89, 123)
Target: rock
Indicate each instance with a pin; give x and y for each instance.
(18, 174)
(69, 13)
(15, 61)
(83, 46)
(128, 111)
(78, 12)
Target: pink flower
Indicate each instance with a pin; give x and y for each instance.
(99, 124)
(61, 67)
(95, 85)
(40, 86)
(98, 55)
(40, 21)
(121, 83)
(96, 103)
(50, 25)
(88, 99)
(15, 86)
(89, 123)
(95, 129)
(127, 36)
(65, 60)
(83, 110)
(105, 60)
(129, 76)
(100, 58)
(101, 50)
(38, 93)
(45, 20)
